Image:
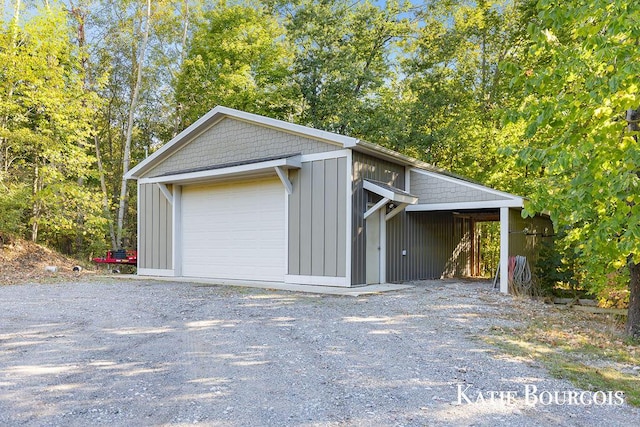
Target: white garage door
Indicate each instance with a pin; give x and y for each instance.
(234, 230)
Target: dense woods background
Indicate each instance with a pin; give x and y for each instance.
(538, 98)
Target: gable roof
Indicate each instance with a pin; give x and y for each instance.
(219, 113)
(340, 141)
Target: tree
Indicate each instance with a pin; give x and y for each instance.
(45, 123)
(237, 58)
(133, 103)
(343, 58)
(131, 79)
(581, 79)
(455, 90)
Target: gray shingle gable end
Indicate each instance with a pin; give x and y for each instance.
(218, 114)
(235, 141)
(432, 189)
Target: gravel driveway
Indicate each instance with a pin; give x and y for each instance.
(124, 353)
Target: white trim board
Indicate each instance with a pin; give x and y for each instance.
(335, 154)
(504, 250)
(466, 184)
(287, 194)
(155, 272)
(490, 204)
(284, 178)
(316, 280)
(375, 208)
(349, 219)
(165, 191)
(138, 225)
(270, 165)
(176, 229)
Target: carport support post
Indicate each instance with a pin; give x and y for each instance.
(504, 250)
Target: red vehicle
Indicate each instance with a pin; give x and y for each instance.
(121, 256)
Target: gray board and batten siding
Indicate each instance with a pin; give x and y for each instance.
(155, 233)
(368, 167)
(437, 245)
(232, 140)
(317, 219)
(527, 234)
(227, 141)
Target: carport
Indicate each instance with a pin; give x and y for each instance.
(460, 203)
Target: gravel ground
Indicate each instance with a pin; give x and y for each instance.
(122, 353)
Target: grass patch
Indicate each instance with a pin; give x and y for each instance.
(588, 350)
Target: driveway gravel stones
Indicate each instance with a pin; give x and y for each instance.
(123, 353)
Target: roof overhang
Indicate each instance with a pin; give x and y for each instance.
(246, 170)
(389, 192)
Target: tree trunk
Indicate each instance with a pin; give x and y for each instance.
(633, 318)
(80, 16)
(126, 158)
(177, 123)
(105, 194)
(35, 208)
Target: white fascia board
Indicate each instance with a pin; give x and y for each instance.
(388, 194)
(393, 156)
(490, 204)
(466, 184)
(345, 141)
(285, 163)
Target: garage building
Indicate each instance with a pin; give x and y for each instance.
(237, 196)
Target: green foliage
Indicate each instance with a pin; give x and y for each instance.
(580, 78)
(14, 207)
(455, 91)
(343, 59)
(488, 235)
(556, 269)
(237, 58)
(44, 123)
